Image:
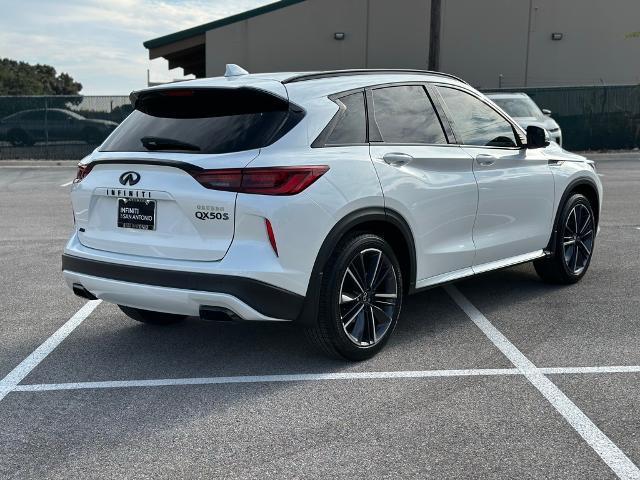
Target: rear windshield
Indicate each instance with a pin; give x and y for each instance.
(214, 120)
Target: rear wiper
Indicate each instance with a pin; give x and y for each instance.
(161, 143)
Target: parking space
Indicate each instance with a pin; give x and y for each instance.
(595, 322)
(112, 347)
(445, 399)
(612, 402)
(449, 428)
(35, 221)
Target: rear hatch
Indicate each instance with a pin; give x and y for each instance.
(142, 195)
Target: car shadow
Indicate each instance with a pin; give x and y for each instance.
(432, 334)
(498, 290)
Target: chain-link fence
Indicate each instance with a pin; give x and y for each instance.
(57, 127)
(70, 127)
(592, 118)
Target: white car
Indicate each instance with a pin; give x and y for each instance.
(320, 198)
(525, 112)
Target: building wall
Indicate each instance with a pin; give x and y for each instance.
(595, 47)
(481, 39)
(378, 34)
(487, 42)
(399, 34)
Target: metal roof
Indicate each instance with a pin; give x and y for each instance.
(201, 29)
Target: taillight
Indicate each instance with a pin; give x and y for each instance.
(229, 180)
(262, 181)
(83, 171)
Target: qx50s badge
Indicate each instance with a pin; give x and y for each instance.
(210, 212)
(129, 178)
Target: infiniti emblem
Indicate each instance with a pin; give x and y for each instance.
(129, 178)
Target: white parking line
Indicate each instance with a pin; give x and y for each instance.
(603, 446)
(610, 369)
(302, 377)
(314, 377)
(67, 184)
(8, 383)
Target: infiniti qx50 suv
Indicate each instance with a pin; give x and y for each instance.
(321, 199)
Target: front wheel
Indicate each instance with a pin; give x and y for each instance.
(154, 318)
(360, 298)
(574, 243)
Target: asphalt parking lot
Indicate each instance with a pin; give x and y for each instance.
(498, 376)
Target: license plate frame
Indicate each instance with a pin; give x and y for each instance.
(136, 214)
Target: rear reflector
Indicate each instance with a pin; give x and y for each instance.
(262, 181)
(272, 237)
(83, 171)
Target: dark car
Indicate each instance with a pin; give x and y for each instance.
(54, 124)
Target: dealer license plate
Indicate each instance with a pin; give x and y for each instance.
(137, 213)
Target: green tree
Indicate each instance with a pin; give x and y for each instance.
(21, 78)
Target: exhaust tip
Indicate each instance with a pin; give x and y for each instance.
(217, 314)
(80, 291)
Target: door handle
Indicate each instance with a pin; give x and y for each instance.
(397, 159)
(485, 160)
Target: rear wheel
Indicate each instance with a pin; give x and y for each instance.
(360, 298)
(20, 138)
(574, 244)
(154, 318)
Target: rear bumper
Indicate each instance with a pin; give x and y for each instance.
(180, 292)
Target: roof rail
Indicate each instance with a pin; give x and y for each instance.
(303, 77)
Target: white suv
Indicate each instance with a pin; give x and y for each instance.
(524, 110)
(322, 199)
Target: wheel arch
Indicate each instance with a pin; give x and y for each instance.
(386, 223)
(583, 186)
(20, 133)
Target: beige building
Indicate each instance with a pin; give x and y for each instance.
(490, 43)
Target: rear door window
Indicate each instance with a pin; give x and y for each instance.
(475, 122)
(34, 116)
(405, 114)
(213, 120)
(352, 126)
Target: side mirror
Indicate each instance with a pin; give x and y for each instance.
(537, 137)
(546, 111)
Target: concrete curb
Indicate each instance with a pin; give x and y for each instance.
(38, 163)
(604, 156)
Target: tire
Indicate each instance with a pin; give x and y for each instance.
(360, 298)
(20, 138)
(153, 318)
(572, 250)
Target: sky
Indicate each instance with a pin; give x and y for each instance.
(99, 42)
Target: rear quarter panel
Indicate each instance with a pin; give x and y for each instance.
(302, 222)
